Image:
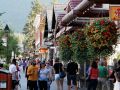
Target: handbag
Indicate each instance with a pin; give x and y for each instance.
(62, 74)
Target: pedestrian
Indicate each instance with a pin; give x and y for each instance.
(29, 63)
(50, 69)
(14, 72)
(1, 66)
(117, 69)
(117, 83)
(58, 67)
(44, 76)
(18, 71)
(72, 69)
(103, 74)
(24, 65)
(114, 76)
(32, 73)
(93, 76)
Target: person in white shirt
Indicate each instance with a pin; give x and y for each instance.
(13, 71)
(44, 76)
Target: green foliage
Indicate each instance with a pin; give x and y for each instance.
(94, 41)
(6, 52)
(2, 48)
(28, 28)
(6, 66)
(12, 46)
(65, 48)
(101, 36)
(79, 46)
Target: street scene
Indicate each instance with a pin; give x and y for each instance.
(59, 45)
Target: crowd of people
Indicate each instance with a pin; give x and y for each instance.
(100, 79)
(40, 74)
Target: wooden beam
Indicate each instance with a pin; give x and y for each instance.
(106, 1)
(95, 13)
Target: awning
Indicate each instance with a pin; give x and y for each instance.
(83, 6)
(74, 3)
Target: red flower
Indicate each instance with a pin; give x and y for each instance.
(102, 22)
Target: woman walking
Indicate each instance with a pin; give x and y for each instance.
(58, 67)
(43, 77)
(93, 75)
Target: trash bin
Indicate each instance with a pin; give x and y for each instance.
(5, 80)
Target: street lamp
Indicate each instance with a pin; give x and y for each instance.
(6, 30)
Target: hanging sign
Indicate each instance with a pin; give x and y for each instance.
(114, 12)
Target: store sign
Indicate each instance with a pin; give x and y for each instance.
(43, 50)
(114, 12)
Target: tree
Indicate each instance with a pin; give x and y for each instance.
(28, 28)
(2, 50)
(12, 45)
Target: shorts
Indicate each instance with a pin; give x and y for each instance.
(57, 77)
(71, 78)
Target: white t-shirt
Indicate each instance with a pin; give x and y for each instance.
(13, 69)
(43, 74)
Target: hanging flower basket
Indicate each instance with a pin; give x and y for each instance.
(65, 47)
(79, 46)
(101, 35)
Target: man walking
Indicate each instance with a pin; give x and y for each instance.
(72, 69)
(103, 74)
(13, 71)
(32, 73)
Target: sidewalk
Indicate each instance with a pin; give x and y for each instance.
(23, 82)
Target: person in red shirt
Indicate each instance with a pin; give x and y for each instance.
(93, 75)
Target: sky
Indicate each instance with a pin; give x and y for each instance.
(16, 12)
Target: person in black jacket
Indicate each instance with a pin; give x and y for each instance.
(72, 69)
(117, 69)
(112, 76)
(58, 67)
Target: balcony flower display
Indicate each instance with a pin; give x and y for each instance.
(65, 47)
(79, 46)
(102, 35)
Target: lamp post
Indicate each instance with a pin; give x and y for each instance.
(6, 30)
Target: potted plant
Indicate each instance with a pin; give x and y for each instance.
(101, 36)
